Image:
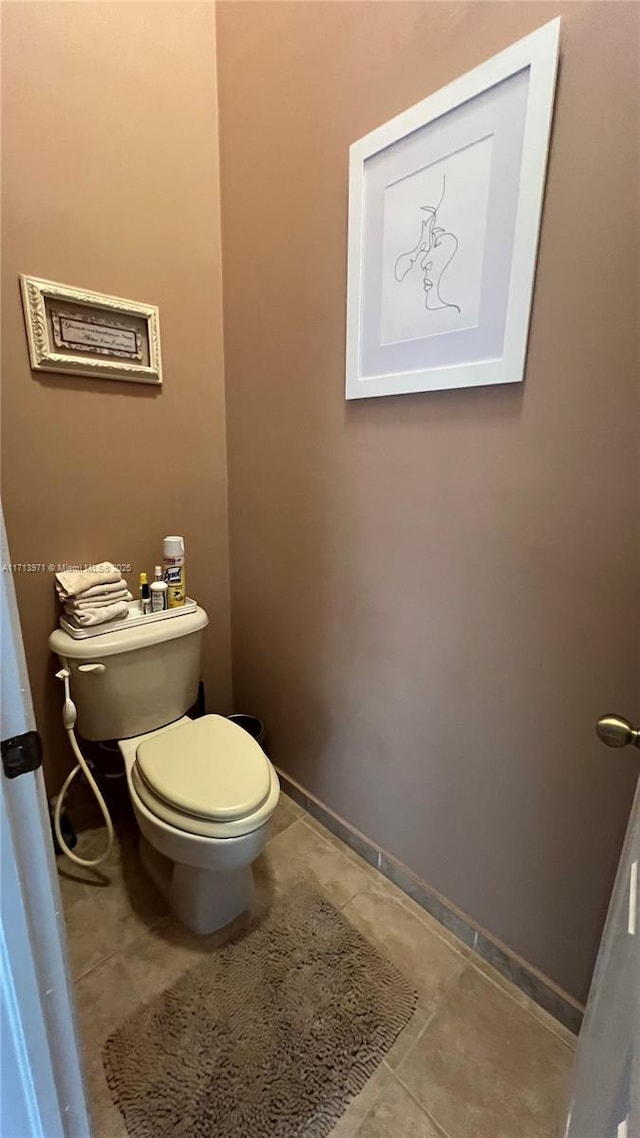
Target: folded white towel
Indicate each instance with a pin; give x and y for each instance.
(86, 617)
(98, 601)
(73, 581)
(112, 588)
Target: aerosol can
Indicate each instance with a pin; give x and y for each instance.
(174, 571)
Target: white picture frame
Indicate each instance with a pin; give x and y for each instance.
(445, 204)
(75, 331)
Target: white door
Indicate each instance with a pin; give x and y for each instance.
(41, 1088)
(606, 1080)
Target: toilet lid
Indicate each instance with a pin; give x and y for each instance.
(209, 768)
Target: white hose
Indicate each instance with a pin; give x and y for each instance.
(69, 720)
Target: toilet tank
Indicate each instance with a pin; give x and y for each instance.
(135, 680)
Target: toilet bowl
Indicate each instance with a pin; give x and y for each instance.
(203, 791)
(198, 850)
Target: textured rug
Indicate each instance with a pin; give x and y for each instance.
(270, 1037)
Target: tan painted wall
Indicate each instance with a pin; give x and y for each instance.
(434, 596)
(110, 181)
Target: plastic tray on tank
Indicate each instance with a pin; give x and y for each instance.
(134, 619)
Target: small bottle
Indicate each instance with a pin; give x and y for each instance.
(145, 595)
(174, 571)
(159, 591)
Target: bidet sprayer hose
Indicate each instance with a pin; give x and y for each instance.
(69, 721)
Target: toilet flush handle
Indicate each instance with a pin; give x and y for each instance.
(91, 668)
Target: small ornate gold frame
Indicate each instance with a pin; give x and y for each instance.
(41, 299)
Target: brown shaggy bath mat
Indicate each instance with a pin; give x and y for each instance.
(269, 1037)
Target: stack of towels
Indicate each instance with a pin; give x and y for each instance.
(94, 595)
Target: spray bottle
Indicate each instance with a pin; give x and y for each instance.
(159, 591)
(174, 571)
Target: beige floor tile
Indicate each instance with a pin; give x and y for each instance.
(327, 834)
(105, 1116)
(108, 907)
(396, 1115)
(93, 842)
(156, 960)
(287, 812)
(132, 906)
(75, 883)
(408, 1036)
(299, 852)
(516, 994)
(124, 868)
(487, 1063)
(485, 1068)
(89, 936)
(412, 906)
(104, 998)
(359, 1107)
(114, 906)
(386, 886)
(429, 962)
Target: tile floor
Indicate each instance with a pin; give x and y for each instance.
(478, 1059)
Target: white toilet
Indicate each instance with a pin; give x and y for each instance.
(202, 790)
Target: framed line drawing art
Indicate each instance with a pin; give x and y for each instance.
(78, 332)
(445, 203)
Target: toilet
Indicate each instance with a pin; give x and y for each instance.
(203, 791)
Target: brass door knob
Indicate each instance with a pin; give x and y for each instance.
(616, 731)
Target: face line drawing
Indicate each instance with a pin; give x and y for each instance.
(432, 237)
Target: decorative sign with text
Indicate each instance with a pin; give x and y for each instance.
(77, 332)
(83, 333)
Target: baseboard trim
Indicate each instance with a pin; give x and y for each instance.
(526, 977)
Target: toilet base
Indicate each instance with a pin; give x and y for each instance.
(203, 899)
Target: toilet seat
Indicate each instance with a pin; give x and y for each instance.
(206, 777)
